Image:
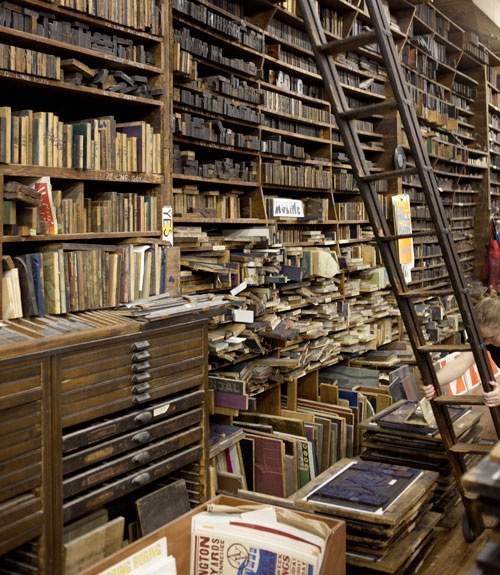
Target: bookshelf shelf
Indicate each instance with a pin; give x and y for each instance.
(82, 122)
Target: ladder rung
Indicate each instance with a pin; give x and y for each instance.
(421, 234)
(348, 44)
(459, 400)
(445, 347)
(366, 111)
(472, 448)
(427, 292)
(389, 175)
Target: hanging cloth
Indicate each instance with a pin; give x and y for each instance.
(491, 269)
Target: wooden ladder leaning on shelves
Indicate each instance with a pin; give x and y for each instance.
(406, 297)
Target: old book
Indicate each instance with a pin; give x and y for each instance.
(47, 209)
(39, 134)
(253, 542)
(138, 131)
(15, 140)
(5, 134)
(37, 272)
(223, 436)
(269, 462)
(82, 144)
(51, 282)
(11, 294)
(25, 135)
(28, 295)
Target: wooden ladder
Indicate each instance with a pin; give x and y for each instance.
(386, 239)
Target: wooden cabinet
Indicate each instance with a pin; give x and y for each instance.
(95, 424)
(23, 397)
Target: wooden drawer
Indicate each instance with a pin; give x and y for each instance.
(110, 491)
(21, 516)
(138, 459)
(20, 521)
(130, 441)
(125, 372)
(20, 384)
(132, 420)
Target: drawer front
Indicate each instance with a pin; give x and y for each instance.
(135, 419)
(21, 516)
(20, 384)
(138, 459)
(23, 519)
(130, 442)
(112, 490)
(132, 371)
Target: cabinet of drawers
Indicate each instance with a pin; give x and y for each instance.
(94, 424)
(21, 465)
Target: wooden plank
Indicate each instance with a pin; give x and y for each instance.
(95, 545)
(85, 524)
(162, 506)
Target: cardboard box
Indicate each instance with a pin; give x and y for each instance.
(178, 534)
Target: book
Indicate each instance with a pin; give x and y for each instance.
(5, 135)
(52, 282)
(11, 294)
(252, 543)
(28, 295)
(82, 144)
(47, 209)
(37, 273)
(137, 133)
(223, 436)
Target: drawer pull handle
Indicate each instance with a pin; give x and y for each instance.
(141, 388)
(143, 457)
(141, 437)
(140, 356)
(140, 345)
(141, 377)
(140, 367)
(142, 398)
(145, 417)
(141, 479)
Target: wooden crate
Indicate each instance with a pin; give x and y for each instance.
(178, 534)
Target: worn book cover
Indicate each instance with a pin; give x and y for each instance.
(235, 544)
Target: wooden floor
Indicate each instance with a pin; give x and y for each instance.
(451, 554)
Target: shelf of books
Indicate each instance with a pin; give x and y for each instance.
(83, 119)
(441, 69)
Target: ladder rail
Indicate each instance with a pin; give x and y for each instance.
(387, 241)
(429, 185)
(356, 156)
(435, 205)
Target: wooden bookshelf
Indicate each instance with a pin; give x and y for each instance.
(84, 117)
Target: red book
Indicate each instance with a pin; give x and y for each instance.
(47, 209)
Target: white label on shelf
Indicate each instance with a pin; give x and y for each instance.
(161, 410)
(167, 229)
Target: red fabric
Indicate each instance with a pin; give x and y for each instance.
(491, 269)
